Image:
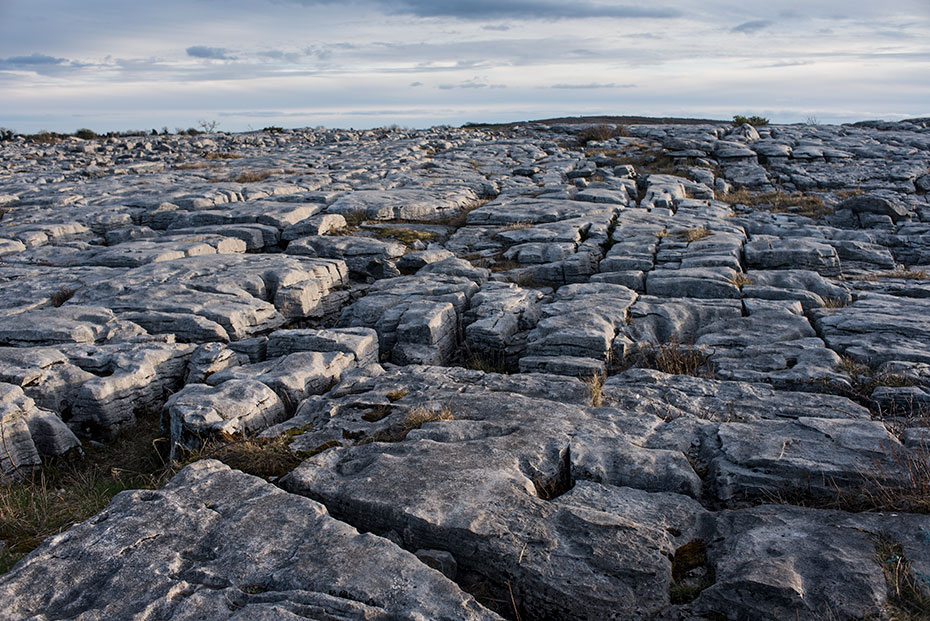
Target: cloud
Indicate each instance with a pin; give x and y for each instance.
(752, 27)
(500, 27)
(213, 53)
(516, 9)
(592, 85)
(32, 60)
(415, 84)
(38, 63)
(290, 57)
(473, 83)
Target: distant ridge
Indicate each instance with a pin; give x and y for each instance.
(628, 120)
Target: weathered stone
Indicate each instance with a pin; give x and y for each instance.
(200, 547)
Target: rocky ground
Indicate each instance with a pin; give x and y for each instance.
(547, 372)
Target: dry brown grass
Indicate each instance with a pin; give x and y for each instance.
(595, 385)
(780, 202)
(908, 597)
(901, 274)
(252, 176)
(741, 280)
(192, 166)
(460, 217)
(414, 419)
(397, 395)
(693, 235)
(404, 235)
(676, 359)
(220, 156)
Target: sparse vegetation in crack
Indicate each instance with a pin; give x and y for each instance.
(908, 596)
(691, 572)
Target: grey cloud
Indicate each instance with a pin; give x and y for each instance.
(500, 27)
(592, 85)
(473, 83)
(752, 27)
(214, 53)
(517, 9)
(38, 63)
(33, 59)
(415, 84)
(290, 57)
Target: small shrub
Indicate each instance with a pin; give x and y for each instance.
(598, 133)
(208, 126)
(86, 134)
(273, 129)
(45, 138)
(755, 121)
(6, 134)
(356, 217)
(62, 295)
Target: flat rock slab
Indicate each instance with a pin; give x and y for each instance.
(878, 328)
(216, 543)
(426, 204)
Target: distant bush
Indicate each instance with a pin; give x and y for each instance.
(44, 137)
(755, 121)
(6, 134)
(85, 134)
(598, 133)
(273, 129)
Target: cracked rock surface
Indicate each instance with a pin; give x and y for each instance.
(679, 372)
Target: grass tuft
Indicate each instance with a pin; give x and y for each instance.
(741, 280)
(595, 385)
(676, 359)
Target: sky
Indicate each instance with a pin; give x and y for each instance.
(247, 64)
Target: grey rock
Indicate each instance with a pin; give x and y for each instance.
(28, 434)
(200, 547)
(361, 343)
(293, 377)
(874, 204)
(198, 413)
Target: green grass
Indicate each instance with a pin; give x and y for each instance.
(404, 235)
(70, 490)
